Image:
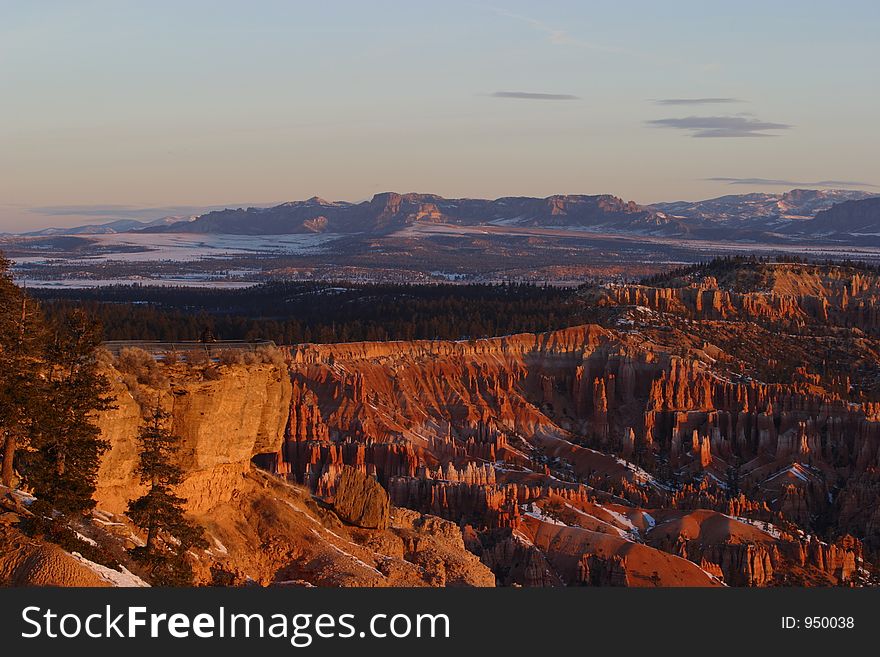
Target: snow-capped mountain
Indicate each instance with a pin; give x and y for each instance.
(797, 204)
(111, 227)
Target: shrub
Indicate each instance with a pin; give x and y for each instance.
(142, 366)
(104, 357)
(232, 357)
(271, 356)
(170, 357)
(211, 373)
(197, 357)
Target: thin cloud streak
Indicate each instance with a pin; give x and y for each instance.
(111, 212)
(789, 183)
(720, 126)
(555, 36)
(531, 95)
(696, 101)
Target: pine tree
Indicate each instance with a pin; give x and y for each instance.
(159, 512)
(22, 342)
(66, 446)
(733, 477)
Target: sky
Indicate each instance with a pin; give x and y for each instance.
(122, 109)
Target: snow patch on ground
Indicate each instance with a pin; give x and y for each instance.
(714, 578)
(642, 476)
(358, 561)
(795, 469)
(25, 498)
(219, 546)
(106, 518)
(765, 527)
(622, 519)
(294, 582)
(630, 531)
(534, 511)
(122, 577)
(621, 533)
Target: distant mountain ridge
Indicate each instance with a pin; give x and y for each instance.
(797, 204)
(852, 218)
(111, 227)
(796, 214)
(744, 216)
(390, 211)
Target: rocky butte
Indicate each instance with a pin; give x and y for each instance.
(717, 425)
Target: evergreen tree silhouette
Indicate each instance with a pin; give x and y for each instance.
(159, 512)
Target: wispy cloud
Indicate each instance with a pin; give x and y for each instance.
(720, 126)
(114, 211)
(695, 101)
(555, 35)
(531, 95)
(111, 212)
(790, 183)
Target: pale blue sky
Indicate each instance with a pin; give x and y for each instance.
(185, 103)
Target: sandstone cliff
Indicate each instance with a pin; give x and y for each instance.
(222, 424)
(261, 529)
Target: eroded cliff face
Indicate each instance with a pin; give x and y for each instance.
(259, 528)
(753, 407)
(273, 533)
(721, 429)
(222, 424)
(787, 295)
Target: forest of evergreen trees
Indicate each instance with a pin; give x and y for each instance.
(51, 385)
(728, 263)
(289, 313)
